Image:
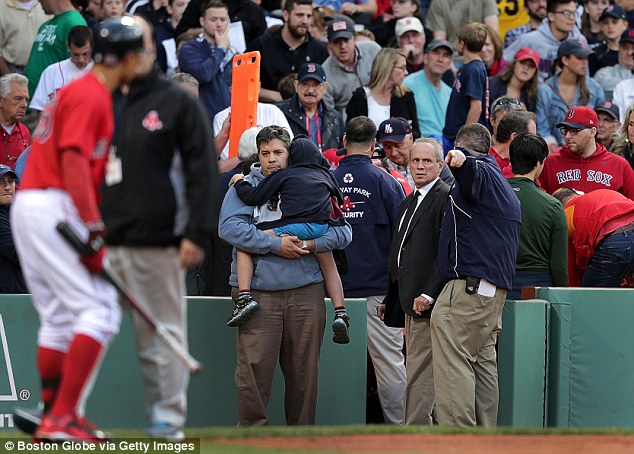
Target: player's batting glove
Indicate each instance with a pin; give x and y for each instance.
(94, 261)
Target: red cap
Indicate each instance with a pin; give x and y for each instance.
(526, 53)
(580, 117)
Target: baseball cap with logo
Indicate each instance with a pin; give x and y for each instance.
(408, 24)
(526, 53)
(4, 169)
(311, 71)
(340, 26)
(609, 108)
(627, 36)
(437, 44)
(394, 130)
(580, 117)
(575, 47)
(614, 11)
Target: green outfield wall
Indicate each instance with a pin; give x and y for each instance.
(117, 399)
(565, 359)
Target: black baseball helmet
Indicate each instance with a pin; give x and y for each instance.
(115, 37)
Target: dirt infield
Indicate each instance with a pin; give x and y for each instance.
(449, 444)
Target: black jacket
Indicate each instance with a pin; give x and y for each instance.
(419, 252)
(279, 61)
(11, 280)
(305, 188)
(403, 106)
(245, 11)
(330, 123)
(497, 89)
(170, 185)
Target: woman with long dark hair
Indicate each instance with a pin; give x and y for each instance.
(519, 79)
(566, 89)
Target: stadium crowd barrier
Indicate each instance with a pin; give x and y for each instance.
(565, 360)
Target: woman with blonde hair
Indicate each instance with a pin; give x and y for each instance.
(625, 137)
(385, 96)
(518, 80)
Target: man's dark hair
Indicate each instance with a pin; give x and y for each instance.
(516, 122)
(79, 36)
(269, 133)
(551, 5)
(527, 151)
(360, 130)
(475, 137)
(564, 194)
(212, 4)
(288, 7)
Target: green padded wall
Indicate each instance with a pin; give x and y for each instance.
(600, 372)
(559, 349)
(522, 363)
(117, 399)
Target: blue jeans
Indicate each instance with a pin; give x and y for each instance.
(302, 230)
(612, 261)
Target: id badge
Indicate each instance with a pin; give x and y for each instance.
(114, 170)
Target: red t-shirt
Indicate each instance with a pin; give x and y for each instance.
(79, 118)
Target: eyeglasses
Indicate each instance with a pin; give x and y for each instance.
(567, 13)
(572, 131)
(505, 102)
(4, 183)
(402, 68)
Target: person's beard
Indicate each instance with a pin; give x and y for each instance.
(295, 33)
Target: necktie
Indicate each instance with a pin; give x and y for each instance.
(402, 231)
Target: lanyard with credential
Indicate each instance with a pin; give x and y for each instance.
(318, 128)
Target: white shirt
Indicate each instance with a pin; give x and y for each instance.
(53, 78)
(423, 192)
(267, 115)
(376, 112)
(623, 96)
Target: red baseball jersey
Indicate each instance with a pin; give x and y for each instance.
(602, 170)
(79, 118)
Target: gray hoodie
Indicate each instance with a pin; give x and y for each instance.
(546, 45)
(271, 272)
(342, 83)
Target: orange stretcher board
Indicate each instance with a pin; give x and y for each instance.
(245, 91)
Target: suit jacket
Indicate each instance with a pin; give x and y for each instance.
(418, 269)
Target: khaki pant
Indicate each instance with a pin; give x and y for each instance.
(419, 393)
(290, 327)
(464, 330)
(155, 277)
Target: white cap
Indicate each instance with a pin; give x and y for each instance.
(408, 24)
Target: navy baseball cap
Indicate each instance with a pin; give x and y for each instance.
(394, 130)
(438, 43)
(609, 108)
(575, 47)
(341, 26)
(614, 11)
(627, 36)
(311, 71)
(6, 169)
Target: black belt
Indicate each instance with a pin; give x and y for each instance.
(625, 228)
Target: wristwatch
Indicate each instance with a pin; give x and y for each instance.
(305, 245)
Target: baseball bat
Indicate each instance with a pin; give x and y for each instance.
(82, 248)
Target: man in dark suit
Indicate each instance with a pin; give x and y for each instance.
(413, 275)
